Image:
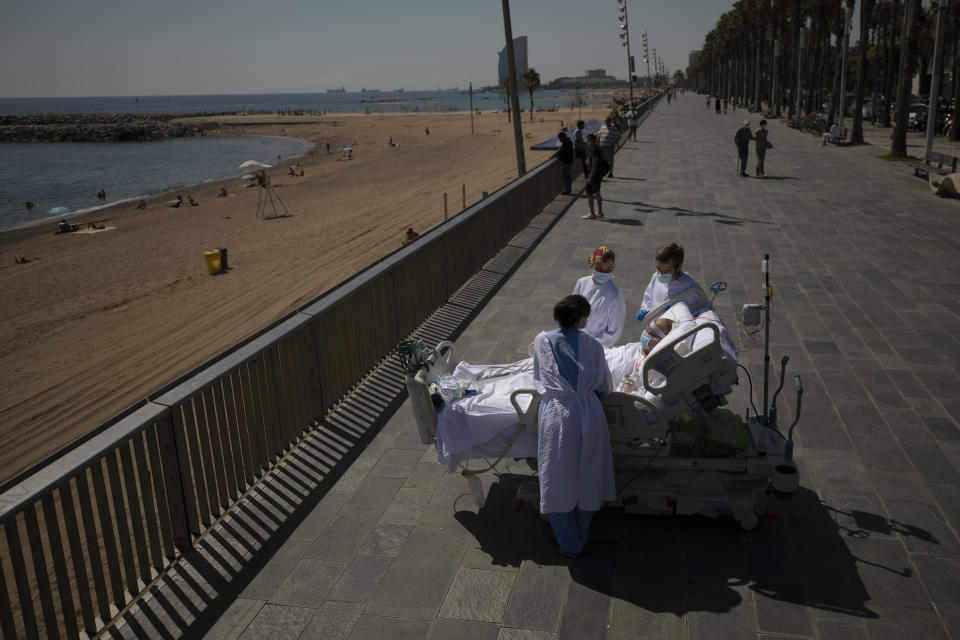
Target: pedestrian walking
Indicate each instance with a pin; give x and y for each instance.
(607, 138)
(580, 146)
(598, 166)
(760, 135)
(565, 155)
(716, 104)
(742, 139)
(633, 121)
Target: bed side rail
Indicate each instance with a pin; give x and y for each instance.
(529, 417)
(669, 374)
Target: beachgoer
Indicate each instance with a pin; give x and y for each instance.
(65, 227)
(223, 193)
(29, 205)
(18, 259)
(193, 203)
(390, 143)
(291, 172)
(565, 155)
(141, 205)
(427, 130)
(411, 235)
(328, 147)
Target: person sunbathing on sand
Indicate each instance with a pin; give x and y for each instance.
(141, 205)
(193, 203)
(411, 235)
(223, 193)
(18, 259)
(66, 227)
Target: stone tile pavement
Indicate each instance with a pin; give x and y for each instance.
(360, 534)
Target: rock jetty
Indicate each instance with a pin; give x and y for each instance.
(110, 127)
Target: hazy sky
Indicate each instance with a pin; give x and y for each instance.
(135, 47)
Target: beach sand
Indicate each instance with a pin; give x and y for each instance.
(97, 321)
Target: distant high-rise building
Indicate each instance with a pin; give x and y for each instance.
(519, 58)
(692, 57)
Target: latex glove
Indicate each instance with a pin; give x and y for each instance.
(642, 313)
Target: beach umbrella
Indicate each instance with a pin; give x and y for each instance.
(254, 163)
(57, 210)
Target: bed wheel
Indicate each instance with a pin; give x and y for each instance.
(748, 521)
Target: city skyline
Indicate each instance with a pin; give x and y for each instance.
(111, 48)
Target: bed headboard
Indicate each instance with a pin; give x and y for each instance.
(674, 374)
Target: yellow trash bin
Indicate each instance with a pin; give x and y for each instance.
(213, 261)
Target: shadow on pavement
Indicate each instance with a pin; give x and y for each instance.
(682, 564)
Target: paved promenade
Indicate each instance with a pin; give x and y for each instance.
(361, 535)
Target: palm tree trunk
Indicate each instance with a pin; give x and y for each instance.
(888, 73)
(955, 131)
(836, 99)
(866, 12)
(898, 148)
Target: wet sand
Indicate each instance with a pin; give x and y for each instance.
(97, 321)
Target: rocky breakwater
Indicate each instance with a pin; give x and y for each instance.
(110, 127)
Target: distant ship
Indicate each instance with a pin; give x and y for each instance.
(340, 90)
(369, 90)
(400, 90)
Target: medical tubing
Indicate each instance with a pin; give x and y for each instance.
(765, 267)
(796, 419)
(646, 466)
(783, 371)
(749, 380)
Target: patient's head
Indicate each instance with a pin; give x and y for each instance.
(572, 312)
(654, 333)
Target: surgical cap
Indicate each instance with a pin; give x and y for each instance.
(603, 254)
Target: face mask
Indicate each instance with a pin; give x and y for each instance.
(599, 277)
(645, 340)
(664, 278)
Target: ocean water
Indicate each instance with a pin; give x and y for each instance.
(381, 101)
(69, 174)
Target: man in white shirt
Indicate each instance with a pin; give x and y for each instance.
(608, 309)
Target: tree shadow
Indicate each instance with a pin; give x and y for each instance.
(684, 564)
(630, 222)
(645, 207)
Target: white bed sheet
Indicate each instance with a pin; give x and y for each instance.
(482, 426)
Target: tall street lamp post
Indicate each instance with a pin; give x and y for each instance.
(625, 36)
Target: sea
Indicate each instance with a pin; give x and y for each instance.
(52, 175)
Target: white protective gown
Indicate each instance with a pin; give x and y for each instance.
(608, 309)
(657, 292)
(574, 456)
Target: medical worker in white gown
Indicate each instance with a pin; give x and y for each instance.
(608, 309)
(574, 457)
(668, 281)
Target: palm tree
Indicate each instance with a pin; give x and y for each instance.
(908, 51)
(866, 17)
(505, 87)
(531, 82)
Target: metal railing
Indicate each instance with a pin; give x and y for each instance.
(85, 533)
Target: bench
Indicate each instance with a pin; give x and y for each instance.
(840, 137)
(939, 163)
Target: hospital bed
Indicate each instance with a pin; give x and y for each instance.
(656, 471)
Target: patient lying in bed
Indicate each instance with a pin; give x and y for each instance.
(483, 426)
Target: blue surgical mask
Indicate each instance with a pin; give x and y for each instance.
(664, 278)
(645, 340)
(600, 277)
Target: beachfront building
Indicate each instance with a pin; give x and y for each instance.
(594, 78)
(519, 58)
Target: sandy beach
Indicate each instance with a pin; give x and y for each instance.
(96, 321)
